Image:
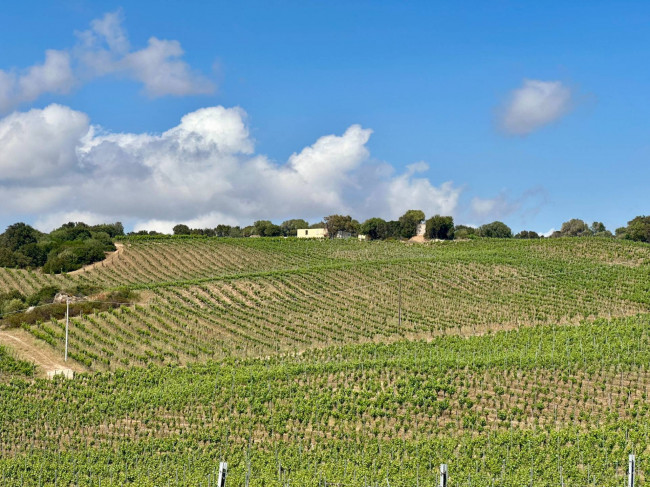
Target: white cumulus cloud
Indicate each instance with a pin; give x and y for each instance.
(406, 192)
(534, 105)
(103, 50)
(40, 143)
(203, 172)
(54, 75)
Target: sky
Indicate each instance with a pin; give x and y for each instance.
(166, 112)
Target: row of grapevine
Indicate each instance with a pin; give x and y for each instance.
(250, 317)
(501, 408)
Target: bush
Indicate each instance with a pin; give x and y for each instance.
(56, 311)
(463, 231)
(10, 295)
(82, 290)
(440, 227)
(121, 295)
(495, 229)
(13, 306)
(44, 295)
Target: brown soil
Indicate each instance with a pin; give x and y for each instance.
(26, 347)
(417, 239)
(110, 258)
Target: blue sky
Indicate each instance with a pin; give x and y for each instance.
(531, 113)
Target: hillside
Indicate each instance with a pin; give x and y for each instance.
(502, 409)
(512, 360)
(215, 298)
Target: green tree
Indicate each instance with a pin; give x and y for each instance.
(181, 229)
(374, 228)
(35, 254)
(409, 222)
(638, 229)
(574, 228)
(235, 232)
(69, 232)
(495, 229)
(393, 229)
(17, 235)
(598, 229)
(621, 232)
(113, 229)
(463, 231)
(290, 227)
(7, 258)
(340, 223)
(440, 227)
(265, 228)
(222, 230)
(527, 234)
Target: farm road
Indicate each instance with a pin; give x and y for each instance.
(110, 257)
(26, 347)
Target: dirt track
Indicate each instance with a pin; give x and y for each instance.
(110, 257)
(26, 347)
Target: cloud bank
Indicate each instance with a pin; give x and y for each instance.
(534, 105)
(57, 167)
(104, 50)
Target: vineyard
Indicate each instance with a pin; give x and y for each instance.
(10, 366)
(209, 299)
(341, 363)
(502, 408)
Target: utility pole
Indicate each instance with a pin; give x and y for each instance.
(67, 324)
(630, 471)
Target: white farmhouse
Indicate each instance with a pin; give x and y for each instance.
(312, 233)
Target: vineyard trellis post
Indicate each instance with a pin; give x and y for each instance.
(67, 324)
(630, 471)
(223, 471)
(443, 475)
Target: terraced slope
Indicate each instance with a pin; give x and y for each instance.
(215, 298)
(540, 406)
